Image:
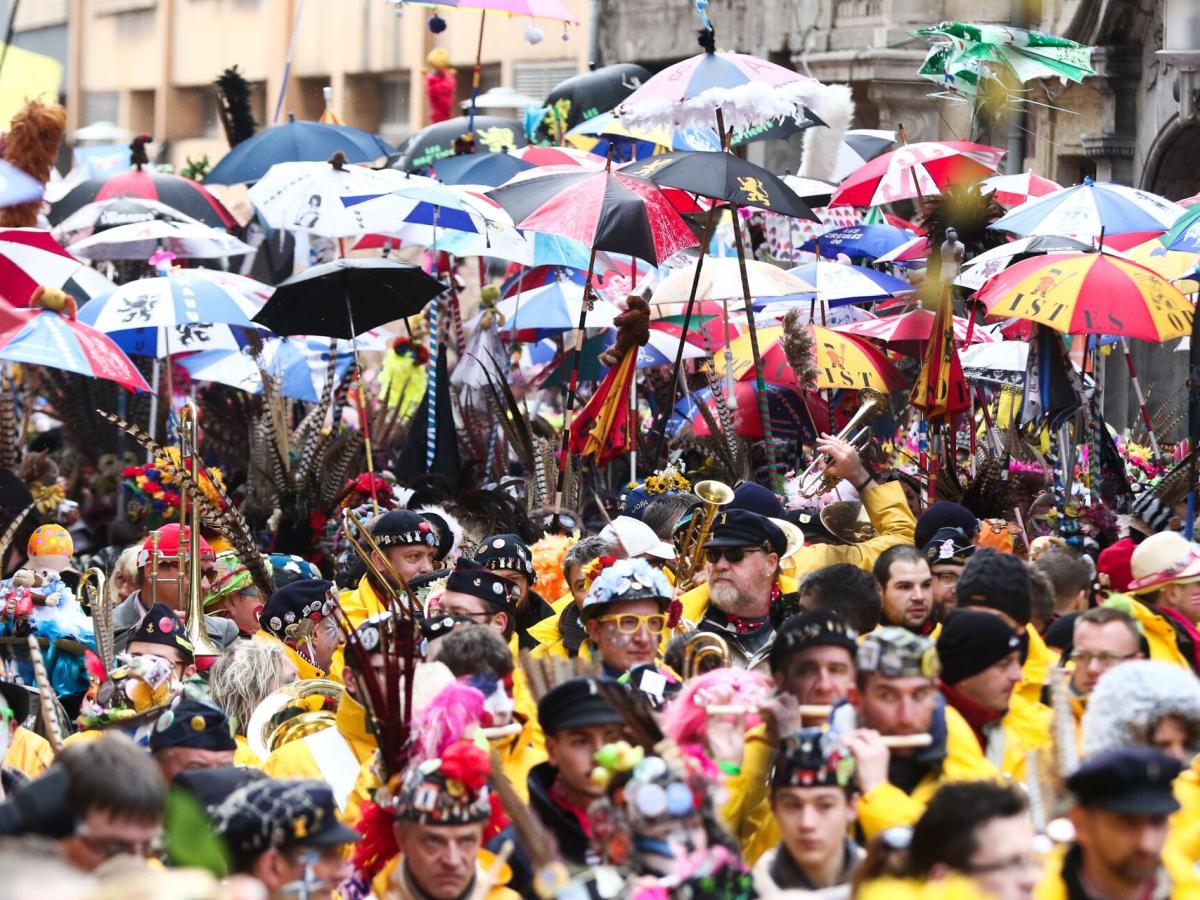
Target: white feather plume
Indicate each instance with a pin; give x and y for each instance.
(742, 106)
(821, 145)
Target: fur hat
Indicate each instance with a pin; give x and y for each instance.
(1131, 698)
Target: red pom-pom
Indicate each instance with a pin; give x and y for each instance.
(497, 820)
(378, 846)
(674, 613)
(465, 763)
(94, 665)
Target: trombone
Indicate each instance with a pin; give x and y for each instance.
(713, 495)
(101, 609)
(365, 545)
(816, 479)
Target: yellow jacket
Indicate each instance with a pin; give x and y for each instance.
(746, 812)
(546, 633)
(1036, 670)
(1028, 727)
(1180, 870)
(361, 603)
(28, 752)
(1159, 633)
(243, 755)
(886, 805)
(304, 669)
(387, 885)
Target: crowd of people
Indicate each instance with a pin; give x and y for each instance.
(909, 713)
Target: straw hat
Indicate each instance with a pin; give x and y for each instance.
(1164, 558)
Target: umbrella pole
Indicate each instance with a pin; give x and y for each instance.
(759, 380)
(361, 403)
(572, 387)
(687, 315)
(476, 75)
(152, 424)
(434, 349)
(1141, 398)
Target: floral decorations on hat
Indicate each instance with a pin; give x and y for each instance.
(452, 789)
(668, 480)
(627, 579)
(136, 686)
(152, 493)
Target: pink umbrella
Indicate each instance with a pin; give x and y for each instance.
(558, 156)
(908, 331)
(30, 257)
(1013, 190)
(917, 170)
(47, 338)
(915, 250)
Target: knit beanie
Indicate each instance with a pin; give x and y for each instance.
(944, 514)
(971, 641)
(998, 581)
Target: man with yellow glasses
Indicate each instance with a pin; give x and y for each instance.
(625, 613)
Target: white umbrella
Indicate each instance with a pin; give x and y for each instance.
(721, 279)
(113, 212)
(240, 369)
(553, 307)
(307, 196)
(140, 240)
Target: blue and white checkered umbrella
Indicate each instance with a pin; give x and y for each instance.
(182, 298)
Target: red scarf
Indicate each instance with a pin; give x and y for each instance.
(559, 798)
(746, 626)
(976, 714)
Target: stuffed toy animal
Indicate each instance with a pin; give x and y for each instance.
(633, 330)
(440, 85)
(32, 145)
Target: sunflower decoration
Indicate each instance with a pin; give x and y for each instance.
(154, 495)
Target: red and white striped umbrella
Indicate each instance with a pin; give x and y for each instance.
(917, 170)
(1013, 190)
(30, 257)
(558, 156)
(915, 325)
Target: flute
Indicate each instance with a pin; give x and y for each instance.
(734, 709)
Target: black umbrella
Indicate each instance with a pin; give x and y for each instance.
(494, 134)
(581, 97)
(374, 291)
(777, 129)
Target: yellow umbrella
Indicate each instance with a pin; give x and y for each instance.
(843, 362)
(1170, 264)
(27, 76)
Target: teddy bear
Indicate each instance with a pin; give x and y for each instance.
(633, 330)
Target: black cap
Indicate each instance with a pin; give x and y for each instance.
(813, 757)
(817, 628)
(944, 514)
(506, 551)
(972, 640)
(1133, 780)
(18, 700)
(403, 526)
(469, 577)
(211, 786)
(742, 528)
(162, 626)
(273, 815)
(998, 581)
(191, 723)
(306, 600)
(575, 703)
(948, 545)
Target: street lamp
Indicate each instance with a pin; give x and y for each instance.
(1181, 49)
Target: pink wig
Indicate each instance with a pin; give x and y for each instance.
(452, 715)
(685, 719)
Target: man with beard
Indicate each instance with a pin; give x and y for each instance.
(906, 589)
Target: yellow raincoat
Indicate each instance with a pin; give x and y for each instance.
(546, 633)
(361, 603)
(1159, 633)
(29, 752)
(1027, 727)
(385, 888)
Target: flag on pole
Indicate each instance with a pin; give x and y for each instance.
(602, 429)
(940, 389)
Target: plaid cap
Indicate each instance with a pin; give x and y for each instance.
(275, 814)
(506, 551)
(812, 757)
(402, 527)
(898, 653)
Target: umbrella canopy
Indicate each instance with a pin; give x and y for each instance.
(814, 191)
(913, 326)
(1185, 232)
(16, 186)
(373, 292)
(914, 250)
(182, 194)
(1090, 293)
(917, 170)
(280, 357)
(843, 361)
(1002, 362)
(858, 241)
(859, 147)
(1013, 190)
(721, 279)
(307, 196)
(790, 420)
(105, 214)
(551, 309)
(489, 169)
(604, 210)
(597, 132)
(140, 240)
(660, 350)
(994, 261)
(160, 343)
(182, 298)
(49, 339)
(495, 134)
(1088, 210)
(30, 257)
(417, 200)
(582, 97)
(837, 283)
(295, 142)
(544, 157)
(722, 176)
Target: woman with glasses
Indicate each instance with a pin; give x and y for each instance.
(625, 613)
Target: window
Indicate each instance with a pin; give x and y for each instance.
(101, 106)
(538, 79)
(395, 107)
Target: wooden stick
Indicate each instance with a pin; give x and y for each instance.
(46, 696)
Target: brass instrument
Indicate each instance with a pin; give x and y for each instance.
(287, 714)
(203, 647)
(364, 544)
(101, 609)
(703, 652)
(816, 479)
(714, 495)
(847, 521)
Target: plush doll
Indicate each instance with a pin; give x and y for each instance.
(633, 330)
(440, 85)
(32, 145)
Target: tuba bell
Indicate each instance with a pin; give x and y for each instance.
(713, 495)
(703, 652)
(816, 479)
(294, 711)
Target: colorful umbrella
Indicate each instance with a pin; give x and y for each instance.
(280, 358)
(661, 349)
(582, 97)
(843, 361)
(49, 339)
(837, 283)
(160, 343)
(914, 326)
(598, 132)
(917, 170)
(140, 240)
(994, 261)
(170, 301)
(1185, 232)
(105, 214)
(721, 279)
(1089, 210)
(30, 257)
(295, 142)
(307, 196)
(1090, 293)
(859, 241)
(488, 169)
(544, 157)
(789, 418)
(859, 147)
(187, 196)
(1013, 190)
(914, 250)
(423, 148)
(551, 310)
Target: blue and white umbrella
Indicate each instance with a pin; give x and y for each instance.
(552, 309)
(661, 350)
(281, 358)
(16, 186)
(205, 337)
(837, 283)
(858, 241)
(182, 298)
(1088, 210)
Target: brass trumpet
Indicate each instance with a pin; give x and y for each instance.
(202, 645)
(816, 479)
(713, 494)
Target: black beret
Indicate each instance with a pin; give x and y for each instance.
(469, 577)
(506, 551)
(948, 545)
(18, 699)
(401, 527)
(1131, 780)
(296, 603)
(944, 514)
(575, 703)
(162, 626)
(191, 723)
(817, 628)
(742, 528)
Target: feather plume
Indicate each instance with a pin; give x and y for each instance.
(821, 145)
(10, 447)
(233, 102)
(799, 350)
(13, 527)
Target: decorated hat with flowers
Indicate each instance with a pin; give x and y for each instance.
(625, 580)
(152, 492)
(452, 789)
(135, 687)
(668, 480)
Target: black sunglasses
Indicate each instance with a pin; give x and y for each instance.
(734, 554)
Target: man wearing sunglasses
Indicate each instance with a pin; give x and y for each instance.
(625, 613)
